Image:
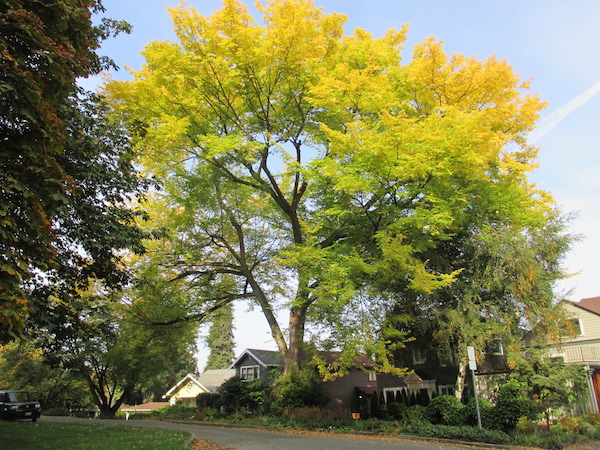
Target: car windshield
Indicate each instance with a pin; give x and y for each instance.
(20, 396)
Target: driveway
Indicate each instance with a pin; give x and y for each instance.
(259, 439)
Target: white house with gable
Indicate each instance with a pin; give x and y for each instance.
(192, 385)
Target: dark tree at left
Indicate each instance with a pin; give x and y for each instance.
(67, 180)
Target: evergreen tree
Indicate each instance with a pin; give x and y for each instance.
(220, 339)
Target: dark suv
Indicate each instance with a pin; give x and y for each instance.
(18, 405)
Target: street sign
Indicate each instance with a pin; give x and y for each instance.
(472, 359)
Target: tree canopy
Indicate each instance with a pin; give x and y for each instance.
(309, 170)
(47, 160)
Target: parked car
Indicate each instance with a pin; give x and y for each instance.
(19, 405)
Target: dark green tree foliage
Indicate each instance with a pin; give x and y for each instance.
(45, 46)
(103, 343)
(220, 339)
(389, 397)
(23, 366)
(96, 222)
(508, 269)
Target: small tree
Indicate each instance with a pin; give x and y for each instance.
(551, 384)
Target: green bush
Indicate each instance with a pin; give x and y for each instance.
(413, 415)
(397, 410)
(469, 414)
(175, 412)
(512, 404)
(463, 433)
(445, 410)
(298, 389)
(208, 400)
(237, 396)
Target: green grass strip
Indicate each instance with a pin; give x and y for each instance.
(27, 435)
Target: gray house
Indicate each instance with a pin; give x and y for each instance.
(255, 364)
(350, 391)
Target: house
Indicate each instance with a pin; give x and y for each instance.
(435, 370)
(349, 391)
(192, 385)
(582, 347)
(253, 364)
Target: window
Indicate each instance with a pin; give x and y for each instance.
(575, 327)
(419, 356)
(496, 347)
(446, 389)
(372, 375)
(249, 373)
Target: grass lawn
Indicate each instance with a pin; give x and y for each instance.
(28, 435)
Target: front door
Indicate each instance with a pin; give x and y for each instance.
(596, 383)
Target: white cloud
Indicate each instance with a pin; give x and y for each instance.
(553, 120)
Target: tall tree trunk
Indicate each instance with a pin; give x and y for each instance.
(293, 359)
(460, 379)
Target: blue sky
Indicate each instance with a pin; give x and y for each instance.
(553, 43)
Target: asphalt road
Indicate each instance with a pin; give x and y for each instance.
(258, 439)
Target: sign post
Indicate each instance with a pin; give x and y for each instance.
(473, 368)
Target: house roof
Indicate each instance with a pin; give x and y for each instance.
(591, 304)
(213, 379)
(272, 358)
(208, 381)
(264, 357)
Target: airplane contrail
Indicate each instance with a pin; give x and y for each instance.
(554, 119)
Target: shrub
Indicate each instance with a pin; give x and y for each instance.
(590, 431)
(176, 412)
(56, 411)
(525, 425)
(486, 410)
(414, 415)
(239, 396)
(445, 410)
(462, 433)
(300, 388)
(512, 404)
(570, 424)
(592, 418)
(397, 410)
(208, 400)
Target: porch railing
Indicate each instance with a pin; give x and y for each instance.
(577, 354)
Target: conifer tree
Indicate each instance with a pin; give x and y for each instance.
(220, 339)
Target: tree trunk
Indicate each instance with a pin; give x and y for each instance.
(460, 379)
(293, 359)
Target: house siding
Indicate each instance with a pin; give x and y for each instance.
(342, 391)
(264, 373)
(590, 324)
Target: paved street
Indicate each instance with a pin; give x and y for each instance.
(252, 439)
